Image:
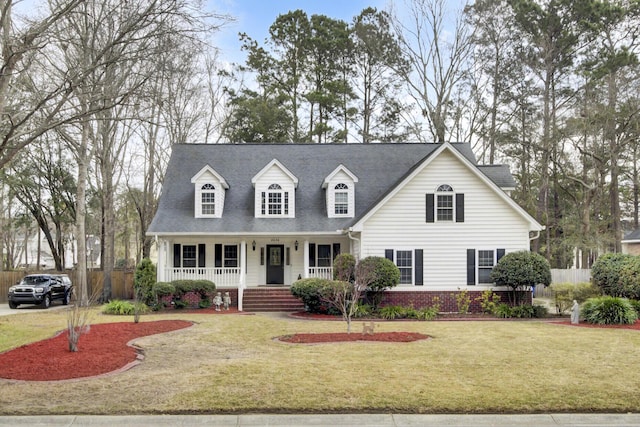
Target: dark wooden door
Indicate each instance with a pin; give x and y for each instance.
(275, 264)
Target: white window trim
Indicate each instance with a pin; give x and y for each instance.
(208, 175)
(452, 193)
(495, 256)
(286, 205)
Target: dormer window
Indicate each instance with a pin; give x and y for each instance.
(275, 193)
(209, 193)
(208, 198)
(275, 201)
(340, 193)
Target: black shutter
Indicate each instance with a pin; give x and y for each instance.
(499, 254)
(312, 254)
(388, 254)
(430, 208)
(201, 255)
(418, 280)
(336, 250)
(218, 255)
(177, 255)
(471, 266)
(460, 207)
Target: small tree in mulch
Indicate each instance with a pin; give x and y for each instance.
(78, 320)
(143, 281)
(521, 271)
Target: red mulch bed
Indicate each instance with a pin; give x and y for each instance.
(345, 337)
(102, 350)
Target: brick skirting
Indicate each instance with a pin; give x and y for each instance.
(447, 299)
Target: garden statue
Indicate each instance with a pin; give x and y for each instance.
(575, 313)
(368, 329)
(217, 301)
(226, 300)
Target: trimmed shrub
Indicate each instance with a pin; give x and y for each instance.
(609, 310)
(201, 287)
(310, 291)
(605, 273)
(630, 278)
(521, 270)
(344, 268)
(143, 281)
(124, 308)
(565, 293)
(162, 289)
(379, 274)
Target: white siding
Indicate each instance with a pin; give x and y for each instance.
(344, 178)
(489, 223)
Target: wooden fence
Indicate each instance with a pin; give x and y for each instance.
(121, 282)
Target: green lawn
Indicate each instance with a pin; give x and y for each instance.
(230, 363)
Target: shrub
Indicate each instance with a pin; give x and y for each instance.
(379, 274)
(463, 301)
(124, 308)
(391, 312)
(204, 303)
(636, 306)
(608, 310)
(162, 289)
(520, 270)
(178, 303)
(144, 278)
(489, 301)
(201, 287)
(427, 313)
(344, 268)
(364, 310)
(503, 310)
(630, 278)
(565, 293)
(310, 291)
(605, 272)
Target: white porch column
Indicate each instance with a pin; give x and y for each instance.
(243, 274)
(306, 259)
(162, 259)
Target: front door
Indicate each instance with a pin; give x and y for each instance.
(275, 264)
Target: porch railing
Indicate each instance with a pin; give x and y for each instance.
(321, 272)
(221, 276)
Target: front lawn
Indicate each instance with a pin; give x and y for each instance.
(231, 363)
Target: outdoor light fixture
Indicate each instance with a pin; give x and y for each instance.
(296, 245)
(253, 245)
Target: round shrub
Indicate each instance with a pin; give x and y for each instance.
(163, 289)
(310, 291)
(605, 273)
(344, 268)
(378, 274)
(202, 287)
(609, 310)
(629, 283)
(520, 270)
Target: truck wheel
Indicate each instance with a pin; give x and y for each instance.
(13, 305)
(46, 301)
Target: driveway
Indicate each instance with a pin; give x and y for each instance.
(27, 308)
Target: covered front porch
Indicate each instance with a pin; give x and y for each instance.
(253, 261)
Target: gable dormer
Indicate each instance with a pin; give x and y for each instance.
(275, 189)
(340, 193)
(210, 189)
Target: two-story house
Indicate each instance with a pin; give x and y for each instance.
(254, 215)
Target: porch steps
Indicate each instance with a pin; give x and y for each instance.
(270, 299)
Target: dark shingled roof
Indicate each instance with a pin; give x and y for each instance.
(378, 167)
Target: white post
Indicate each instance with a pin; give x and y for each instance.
(306, 259)
(243, 269)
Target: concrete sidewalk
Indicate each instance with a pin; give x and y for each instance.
(319, 420)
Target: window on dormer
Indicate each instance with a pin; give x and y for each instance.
(341, 199)
(275, 201)
(208, 199)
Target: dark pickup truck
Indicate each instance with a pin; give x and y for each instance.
(41, 289)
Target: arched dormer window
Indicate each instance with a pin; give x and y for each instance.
(341, 199)
(208, 199)
(445, 205)
(275, 201)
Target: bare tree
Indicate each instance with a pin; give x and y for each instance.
(437, 59)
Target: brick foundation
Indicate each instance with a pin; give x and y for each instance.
(447, 299)
(193, 298)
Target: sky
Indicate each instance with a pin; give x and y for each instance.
(254, 17)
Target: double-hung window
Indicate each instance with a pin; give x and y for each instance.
(189, 255)
(486, 262)
(230, 255)
(341, 199)
(445, 203)
(404, 261)
(208, 199)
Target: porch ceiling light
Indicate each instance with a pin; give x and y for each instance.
(296, 245)
(253, 245)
